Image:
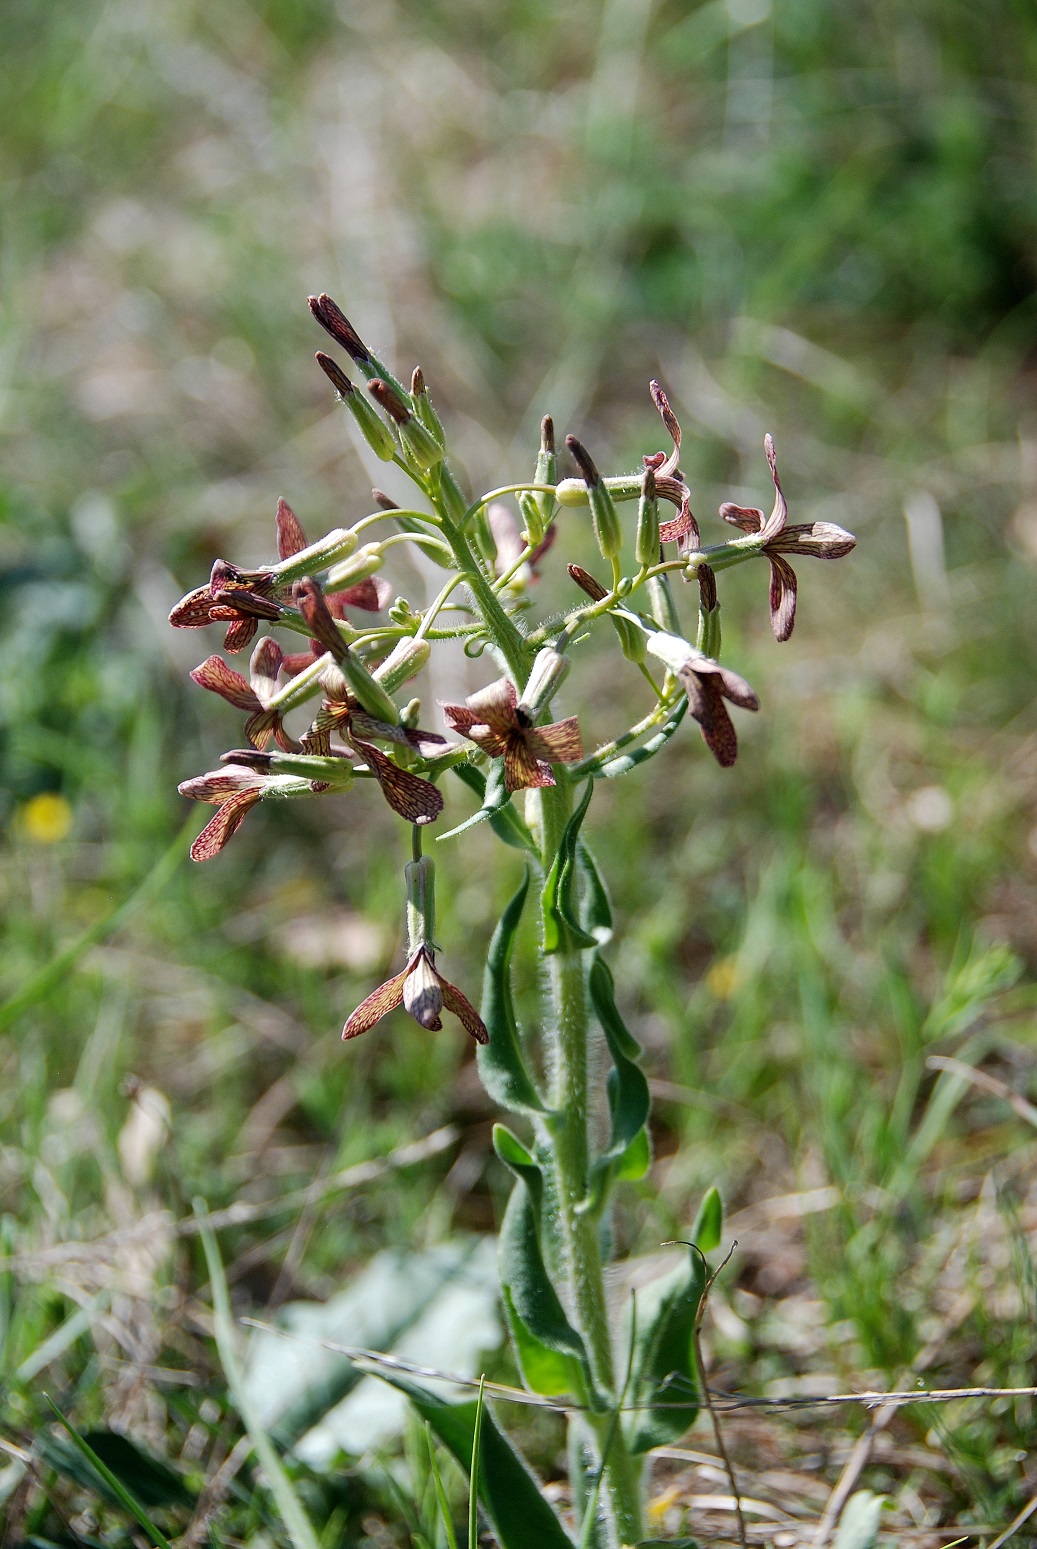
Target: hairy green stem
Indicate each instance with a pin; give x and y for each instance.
(567, 1138)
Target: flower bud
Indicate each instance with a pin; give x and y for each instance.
(423, 406)
(363, 563)
(708, 639)
(549, 669)
(373, 429)
(423, 994)
(372, 696)
(330, 550)
(646, 543)
(663, 609)
(607, 529)
(587, 583)
(420, 877)
(418, 443)
(404, 662)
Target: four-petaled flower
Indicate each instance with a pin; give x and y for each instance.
(818, 540)
(497, 723)
(707, 684)
(252, 694)
(239, 598)
(423, 992)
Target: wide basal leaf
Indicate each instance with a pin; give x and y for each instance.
(530, 1294)
(663, 1393)
(502, 1066)
(562, 929)
(508, 1491)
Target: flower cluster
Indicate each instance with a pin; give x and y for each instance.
(359, 646)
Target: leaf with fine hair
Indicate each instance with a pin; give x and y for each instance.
(502, 1067)
(595, 908)
(497, 807)
(531, 1295)
(508, 1491)
(562, 929)
(628, 1096)
(663, 1394)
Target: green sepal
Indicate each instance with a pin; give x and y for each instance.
(509, 1492)
(709, 1223)
(562, 929)
(502, 1067)
(522, 1270)
(497, 807)
(663, 1393)
(627, 1087)
(595, 907)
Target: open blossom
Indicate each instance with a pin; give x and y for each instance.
(423, 992)
(495, 721)
(707, 684)
(818, 540)
(235, 789)
(252, 694)
(239, 598)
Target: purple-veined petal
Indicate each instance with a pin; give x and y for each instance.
(559, 743)
(223, 825)
(422, 992)
(413, 798)
(259, 728)
(819, 540)
(378, 1004)
(779, 512)
(193, 611)
(495, 704)
(522, 770)
(464, 1011)
(290, 536)
(673, 429)
(239, 634)
(264, 667)
(217, 784)
(718, 731)
(749, 518)
(782, 597)
(373, 594)
(218, 678)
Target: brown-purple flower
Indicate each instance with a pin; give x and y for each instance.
(817, 540)
(423, 992)
(495, 721)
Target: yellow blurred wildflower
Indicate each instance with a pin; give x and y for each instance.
(722, 978)
(46, 818)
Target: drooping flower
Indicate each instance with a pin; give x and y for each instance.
(817, 540)
(497, 723)
(252, 694)
(669, 481)
(423, 992)
(239, 598)
(234, 789)
(707, 684)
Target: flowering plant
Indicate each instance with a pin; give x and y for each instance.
(625, 1389)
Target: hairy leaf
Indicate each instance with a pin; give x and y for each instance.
(663, 1397)
(628, 1096)
(562, 928)
(502, 1066)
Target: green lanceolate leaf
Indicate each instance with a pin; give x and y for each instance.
(496, 808)
(509, 1493)
(709, 1223)
(663, 1395)
(530, 1295)
(628, 1096)
(544, 1371)
(624, 762)
(562, 929)
(502, 1066)
(595, 908)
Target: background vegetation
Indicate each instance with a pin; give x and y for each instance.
(820, 222)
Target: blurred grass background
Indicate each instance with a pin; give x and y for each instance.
(821, 222)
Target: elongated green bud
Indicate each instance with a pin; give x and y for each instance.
(365, 562)
(423, 406)
(453, 496)
(646, 543)
(404, 662)
(607, 528)
(708, 640)
(663, 607)
(373, 429)
(418, 443)
(333, 320)
(549, 668)
(332, 548)
(372, 696)
(421, 902)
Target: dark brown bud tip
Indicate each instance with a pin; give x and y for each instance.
(389, 400)
(648, 482)
(334, 321)
(309, 599)
(385, 501)
(547, 434)
(583, 460)
(586, 582)
(417, 382)
(252, 758)
(707, 588)
(335, 375)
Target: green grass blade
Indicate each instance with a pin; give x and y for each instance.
(437, 1480)
(293, 1513)
(473, 1494)
(114, 1484)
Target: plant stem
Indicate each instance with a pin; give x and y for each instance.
(566, 1023)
